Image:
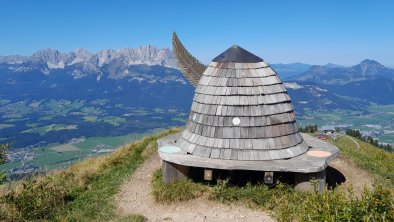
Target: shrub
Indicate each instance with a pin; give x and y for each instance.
(3, 154)
(373, 205)
(3, 158)
(252, 194)
(37, 198)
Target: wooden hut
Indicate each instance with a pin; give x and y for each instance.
(241, 119)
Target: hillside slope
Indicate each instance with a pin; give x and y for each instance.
(85, 191)
(82, 192)
(379, 163)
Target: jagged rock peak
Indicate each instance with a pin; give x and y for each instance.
(149, 55)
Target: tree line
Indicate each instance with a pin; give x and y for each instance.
(3, 158)
(309, 129)
(374, 142)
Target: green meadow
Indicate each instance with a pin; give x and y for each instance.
(53, 127)
(58, 156)
(378, 116)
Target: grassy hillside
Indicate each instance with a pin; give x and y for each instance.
(379, 163)
(80, 193)
(84, 191)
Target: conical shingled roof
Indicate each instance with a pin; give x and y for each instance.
(241, 111)
(237, 54)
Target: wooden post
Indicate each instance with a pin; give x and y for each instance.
(303, 181)
(173, 172)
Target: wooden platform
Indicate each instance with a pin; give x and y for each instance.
(309, 162)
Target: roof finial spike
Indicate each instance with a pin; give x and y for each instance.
(237, 54)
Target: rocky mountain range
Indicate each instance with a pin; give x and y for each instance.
(287, 71)
(116, 92)
(332, 74)
(53, 70)
(80, 62)
(369, 80)
(115, 64)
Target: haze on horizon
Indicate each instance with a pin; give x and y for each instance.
(340, 32)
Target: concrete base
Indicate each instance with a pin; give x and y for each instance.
(173, 172)
(304, 182)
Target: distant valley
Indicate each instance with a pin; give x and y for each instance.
(54, 98)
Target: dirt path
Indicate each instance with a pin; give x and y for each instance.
(135, 198)
(354, 141)
(352, 175)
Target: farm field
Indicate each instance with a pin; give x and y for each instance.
(27, 122)
(378, 121)
(52, 134)
(57, 156)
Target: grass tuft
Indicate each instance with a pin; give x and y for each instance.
(181, 190)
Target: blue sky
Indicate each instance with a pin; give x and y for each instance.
(316, 32)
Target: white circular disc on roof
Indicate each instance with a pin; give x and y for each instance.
(236, 121)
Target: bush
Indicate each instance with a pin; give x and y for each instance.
(37, 199)
(3, 153)
(373, 205)
(253, 194)
(309, 129)
(3, 158)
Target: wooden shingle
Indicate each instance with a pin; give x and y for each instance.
(255, 95)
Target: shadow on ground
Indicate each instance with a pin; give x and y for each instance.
(240, 178)
(334, 177)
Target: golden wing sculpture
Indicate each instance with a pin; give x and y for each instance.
(191, 68)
